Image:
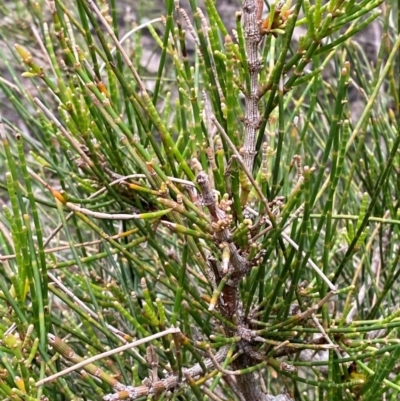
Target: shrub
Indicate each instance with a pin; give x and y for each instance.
(211, 219)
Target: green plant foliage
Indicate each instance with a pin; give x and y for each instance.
(201, 205)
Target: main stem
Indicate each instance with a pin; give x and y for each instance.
(252, 10)
(247, 384)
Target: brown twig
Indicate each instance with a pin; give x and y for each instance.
(132, 393)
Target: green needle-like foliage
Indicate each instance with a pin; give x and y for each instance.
(202, 205)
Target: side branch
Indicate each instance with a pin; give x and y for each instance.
(169, 383)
